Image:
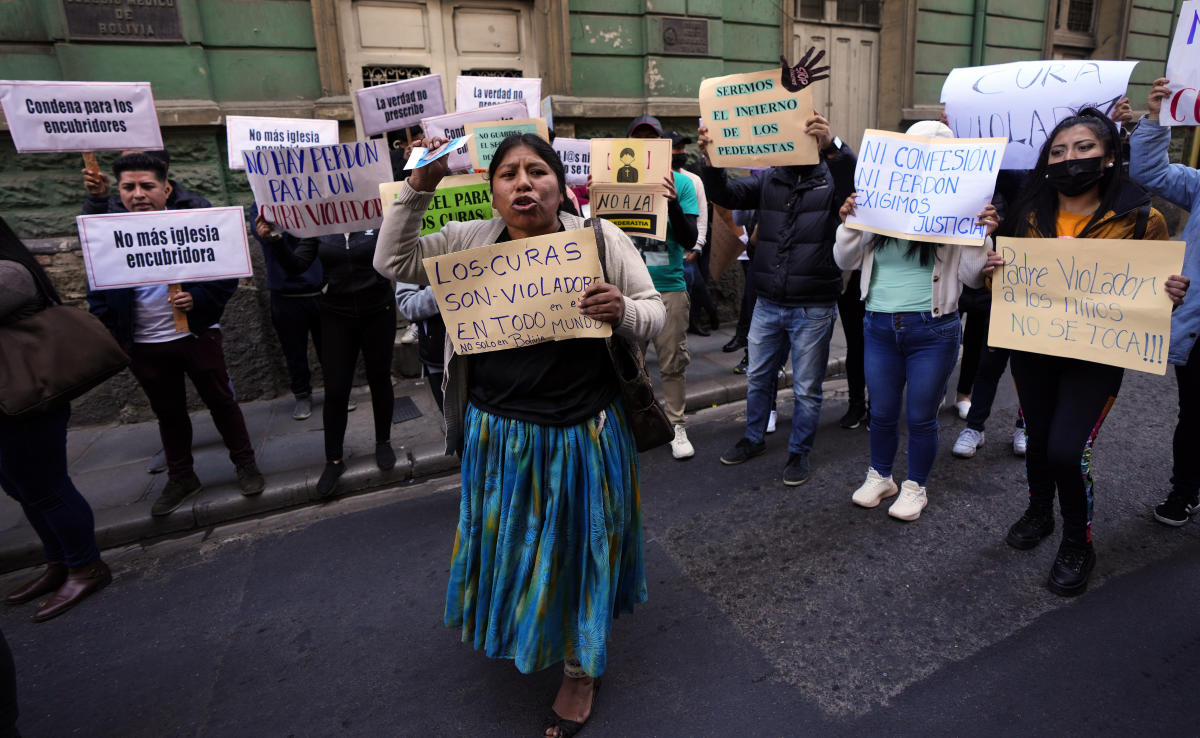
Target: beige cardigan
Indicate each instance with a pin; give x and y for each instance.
(954, 267)
(400, 248)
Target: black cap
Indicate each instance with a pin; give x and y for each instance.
(678, 139)
(645, 120)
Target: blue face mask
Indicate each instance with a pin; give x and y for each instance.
(1075, 176)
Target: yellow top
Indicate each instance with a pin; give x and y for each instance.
(1070, 224)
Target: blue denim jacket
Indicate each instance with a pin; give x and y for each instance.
(1150, 167)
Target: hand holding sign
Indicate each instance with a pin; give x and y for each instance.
(603, 302)
(1176, 288)
(805, 72)
(425, 178)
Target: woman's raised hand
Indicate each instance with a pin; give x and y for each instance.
(988, 218)
(426, 178)
(993, 260)
(849, 207)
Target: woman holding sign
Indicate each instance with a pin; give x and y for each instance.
(911, 334)
(1077, 190)
(549, 540)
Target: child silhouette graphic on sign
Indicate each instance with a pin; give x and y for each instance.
(627, 174)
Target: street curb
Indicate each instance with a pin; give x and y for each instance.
(224, 503)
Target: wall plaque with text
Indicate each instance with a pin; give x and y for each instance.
(685, 36)
(123, 20)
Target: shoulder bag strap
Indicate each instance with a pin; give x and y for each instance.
(600, 245)
(1143, 219)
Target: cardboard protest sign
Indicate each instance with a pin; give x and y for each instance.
(1182, 108)
(639, 210)
(164, 247)
(632, 161)
(454, 125)
(487, 137)
(80, 116)
(754, 121)
(319, 190)
(247, 133)
(576, 157)
(398, 105)
(517, 293)
(1094, 299)
(925, 189)
(1023, 101)
(482, 92)
(461, 197)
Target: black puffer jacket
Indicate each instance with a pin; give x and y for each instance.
(352, 286)
(797, 219)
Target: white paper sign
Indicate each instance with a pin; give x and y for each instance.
(925, 189)
(80, 116)
(247, 133)
(1182, 107)
(454, 125)
(1023, 101)
(319, 190)
(575, 154)
(164, 247)
(482, 92)
(398, 105)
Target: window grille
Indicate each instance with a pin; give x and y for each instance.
(381, 74)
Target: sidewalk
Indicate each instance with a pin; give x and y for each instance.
(108, 463)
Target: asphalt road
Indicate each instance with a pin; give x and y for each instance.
(773, 611)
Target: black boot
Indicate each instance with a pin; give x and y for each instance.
(1071, 569)
(1029, 531)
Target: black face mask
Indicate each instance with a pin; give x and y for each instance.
(1075, 176)
(678, 161)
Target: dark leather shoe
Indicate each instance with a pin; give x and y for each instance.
(1071, 569)
(49, 580)
(698, 330)
(81, 582)
(1030, 529)
(735, 344)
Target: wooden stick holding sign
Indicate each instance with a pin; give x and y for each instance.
(180, 317)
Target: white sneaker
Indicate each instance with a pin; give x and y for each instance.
(409, 336)
(771, 422)
(1019, 441)
(681, 447)
(968, 441)
(873, 490)
(963, 407)
(910, 503)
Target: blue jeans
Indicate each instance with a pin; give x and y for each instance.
(775, 330)
(33, 471)
(920, 350)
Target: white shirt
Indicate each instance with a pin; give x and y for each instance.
(153, 318)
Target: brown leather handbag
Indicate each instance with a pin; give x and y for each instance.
(647, 418)
(54, 356)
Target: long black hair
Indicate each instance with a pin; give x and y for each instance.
(1039, 200)
(545, 152)
(12, 249)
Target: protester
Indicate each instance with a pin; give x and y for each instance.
(33, 462)
(850, 308)
(417, 304)
(975, 307)
(295, 314)
(911, 337)
(665, 260)
(544, 439)
(695, 269)
(746, 222)
(141, 320)
(1077, 190)
(992, 362)
(797, 284)
(1150, 166)
(358, 315)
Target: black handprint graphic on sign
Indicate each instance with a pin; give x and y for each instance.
(805, 72)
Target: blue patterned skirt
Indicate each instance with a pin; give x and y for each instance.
(549, 542)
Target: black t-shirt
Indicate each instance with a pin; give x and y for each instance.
(556, 383)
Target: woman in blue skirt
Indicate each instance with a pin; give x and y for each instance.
(549, 542)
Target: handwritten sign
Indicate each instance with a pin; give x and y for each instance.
(517, 293)
(80, 116)
(927, 189)
(576, 155)
(461, 197)
(489, 135)
(319, 190)
(1023, 101)
(1093, 299)
(754, 121)
(398, 105)
(482, 92)
(454, 125)
(1182, 108)
(248, 133)
(639, 210)
(633, 161)
(164, 247)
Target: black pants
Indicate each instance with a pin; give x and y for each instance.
(992, 362)
(1185, 478)
(977, 310)
(749, 297)
(295, 319)
(8, 692)
(343, 337)
(851, 310)
(1065, 401)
